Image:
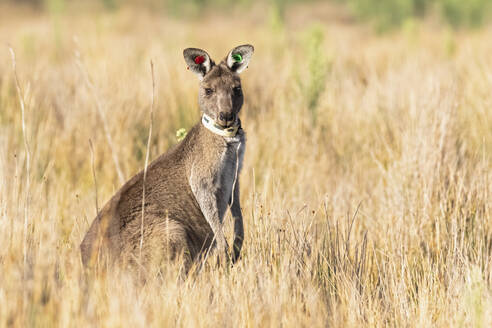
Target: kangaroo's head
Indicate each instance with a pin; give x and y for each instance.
(220, 95)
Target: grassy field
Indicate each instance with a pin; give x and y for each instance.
(366, 188)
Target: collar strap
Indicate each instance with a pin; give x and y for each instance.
(210, 124)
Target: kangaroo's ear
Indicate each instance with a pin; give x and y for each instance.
(238, 58)
(198, 61)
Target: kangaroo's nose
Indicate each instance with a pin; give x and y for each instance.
(225, 117)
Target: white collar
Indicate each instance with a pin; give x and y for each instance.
(210, 124)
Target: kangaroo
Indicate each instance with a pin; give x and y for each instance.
(187, 189)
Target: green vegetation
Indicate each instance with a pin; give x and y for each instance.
(384, 14)
(318, 69)
(388, 14)
(471, 13)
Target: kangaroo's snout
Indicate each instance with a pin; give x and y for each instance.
(227, 118)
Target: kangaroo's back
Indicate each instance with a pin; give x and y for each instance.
(169, 204)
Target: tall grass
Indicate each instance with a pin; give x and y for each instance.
(376, 213)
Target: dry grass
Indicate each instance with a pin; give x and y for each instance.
(366, 189)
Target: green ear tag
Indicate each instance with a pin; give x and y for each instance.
(237, 58)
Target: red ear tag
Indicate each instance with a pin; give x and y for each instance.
(199, 60)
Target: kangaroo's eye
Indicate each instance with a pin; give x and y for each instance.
(237, 90)
(209, 91)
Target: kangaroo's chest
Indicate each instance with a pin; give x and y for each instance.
(212, 182)
(227, 168)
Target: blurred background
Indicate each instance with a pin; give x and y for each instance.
(383, 14)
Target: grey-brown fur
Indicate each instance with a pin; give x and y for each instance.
(188, 189)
